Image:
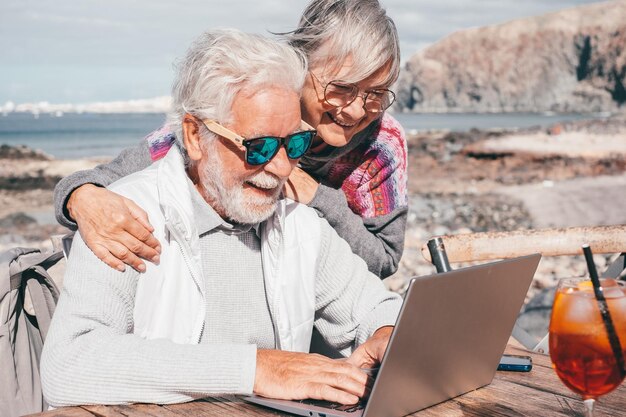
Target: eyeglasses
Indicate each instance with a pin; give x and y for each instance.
(261, 150)
(341, 94)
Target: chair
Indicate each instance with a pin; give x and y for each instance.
(441, 250)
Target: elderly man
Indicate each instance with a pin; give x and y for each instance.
(243, 276)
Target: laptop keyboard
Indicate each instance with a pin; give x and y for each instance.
(335, 406)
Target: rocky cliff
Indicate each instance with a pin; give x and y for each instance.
(569, 61)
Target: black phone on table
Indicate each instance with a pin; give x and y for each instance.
(515, 363)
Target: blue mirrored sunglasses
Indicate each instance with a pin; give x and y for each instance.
(261, 150)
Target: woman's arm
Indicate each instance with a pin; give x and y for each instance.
(365, 200)
(378, 240)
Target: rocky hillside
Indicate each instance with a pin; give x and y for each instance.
(569, 61)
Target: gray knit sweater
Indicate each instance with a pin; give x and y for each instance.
(91, 355)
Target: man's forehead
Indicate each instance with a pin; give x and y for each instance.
(269, 111)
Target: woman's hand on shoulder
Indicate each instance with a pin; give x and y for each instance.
(300, 186)
(115, 228)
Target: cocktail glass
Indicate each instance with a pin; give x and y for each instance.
(580, 348)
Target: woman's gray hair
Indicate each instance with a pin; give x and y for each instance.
(220, 64)
(333, 31)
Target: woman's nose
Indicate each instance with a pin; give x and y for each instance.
(356, 109)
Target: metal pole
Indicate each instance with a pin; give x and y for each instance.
(438, 255)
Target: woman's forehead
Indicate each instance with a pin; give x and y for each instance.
(348, 71)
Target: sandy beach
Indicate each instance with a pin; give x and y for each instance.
(570, 174)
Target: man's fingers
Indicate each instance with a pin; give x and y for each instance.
(139, 214)
(320, 391)
(365, 362)
(371, 353)
(340, 382)
(360, 358)
(294, 375)
(349, 383)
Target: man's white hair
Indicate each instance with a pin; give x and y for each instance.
(332, 31)
(220, 64)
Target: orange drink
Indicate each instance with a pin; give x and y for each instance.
(580, 349)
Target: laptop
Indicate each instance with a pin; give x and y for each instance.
(449, 337)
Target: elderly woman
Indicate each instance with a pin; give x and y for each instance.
(354, 175)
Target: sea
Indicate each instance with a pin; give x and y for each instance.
(87, 135)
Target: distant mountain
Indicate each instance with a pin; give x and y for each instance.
(569, 61)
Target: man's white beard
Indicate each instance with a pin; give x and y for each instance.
(232, 202)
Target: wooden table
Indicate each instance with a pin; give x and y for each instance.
(535, 393)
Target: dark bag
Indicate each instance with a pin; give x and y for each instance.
(22, 334)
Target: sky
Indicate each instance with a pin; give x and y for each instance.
(82, 51)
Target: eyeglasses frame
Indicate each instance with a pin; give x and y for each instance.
(358, 94)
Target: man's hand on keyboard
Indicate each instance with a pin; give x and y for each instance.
(296, 376)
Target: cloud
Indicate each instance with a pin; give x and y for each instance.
(69, 48)
(426, 21)
(89, 22)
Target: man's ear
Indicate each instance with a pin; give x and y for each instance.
(191, 137)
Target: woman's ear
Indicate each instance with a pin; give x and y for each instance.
(191, 137)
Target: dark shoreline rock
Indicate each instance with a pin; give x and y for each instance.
(39, 181)
(14, 177)
(21, 152)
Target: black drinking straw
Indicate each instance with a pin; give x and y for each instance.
(604, 310)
